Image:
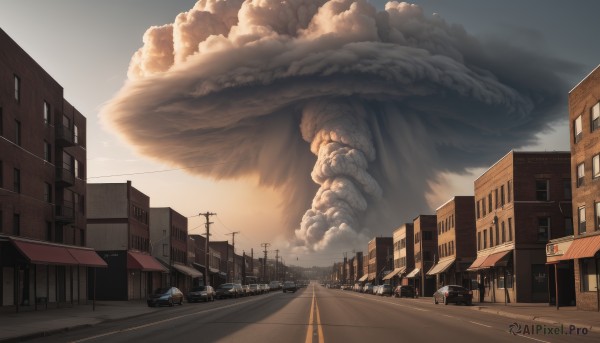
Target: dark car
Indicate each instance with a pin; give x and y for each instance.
(227, 290)
(204, 293)
(165, 296)
(453, 294)
(385, 290)
(404, 291)
(289, 286)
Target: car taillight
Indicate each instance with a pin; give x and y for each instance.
(445, 294)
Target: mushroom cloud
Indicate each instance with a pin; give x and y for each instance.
(347, 110)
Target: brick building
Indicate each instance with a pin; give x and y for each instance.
(169, 244)
(402, 239)
(581, 251)
(456, 248)
(521, 202)
(380, 258)
(42, 187)
(357, 266)
(118, 228)
(424, 248)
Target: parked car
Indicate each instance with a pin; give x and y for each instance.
(266, 288)
(368, 288)
(165, 296)
(404, 291)
(254, 289)
(228, 290)
(385, 290)
(289, 286)
(453, 294)
(204, 293)
(246, 290)
(274, 285)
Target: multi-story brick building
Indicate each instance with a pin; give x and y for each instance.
(357, 266)
(380, 258)
(521, 202)
(456, 248)
(581, 251)
(225, 250)
(42, 187)
(403, 254)
(169, 244)
(424, 248)
(118, 227)
(215, 276)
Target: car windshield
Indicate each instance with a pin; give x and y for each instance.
(161, 290)
(456, 288)
(198, 288)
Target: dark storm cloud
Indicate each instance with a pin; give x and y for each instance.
(349, 112)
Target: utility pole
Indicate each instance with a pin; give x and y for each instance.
(233, 244)
(277, 264)
(252, 261)
(265, 245)
(206, 262)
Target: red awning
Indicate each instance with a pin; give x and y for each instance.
(41, 253)
(497, 259)
(87, 257)
(583, 248)
(477, 263)
(143, 262)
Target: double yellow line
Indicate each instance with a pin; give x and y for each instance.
(310, 332)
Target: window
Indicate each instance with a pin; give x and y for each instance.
(47, 151)
(597, 216)
(452, 220)
(496, 196)
(581, 219)
(503, 232)
(484, 239)
(580, 174)
(17, 180)
(502, 195)
(478, 214)
(509, 191)
(595, 166)
(47, 192)
(17, 132)
(577, 129)
(47, 118)
(76, 169)
(490, 203)
(75, 134)
(427, 236)
(49, 231)
(541, 190)
(497, 235)
(543, 229)
(483, 206)
(588, 275)
(17, 88)
(595, 116)
(479, 240)
(501, 282)
(1, 123)
(510, 230)
(16, 224)
(491, 237)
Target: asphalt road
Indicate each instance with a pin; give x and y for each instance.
(313, 314)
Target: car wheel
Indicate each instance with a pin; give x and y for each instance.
(445, 301)
(171, 302)
(181, 302)
(435, 300)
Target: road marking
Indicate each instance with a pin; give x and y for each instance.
(133, 328)
(535, 339)
(476, 323)
(310, 331)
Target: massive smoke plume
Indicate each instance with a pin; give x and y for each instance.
(377, 103)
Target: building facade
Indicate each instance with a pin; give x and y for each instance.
(380, 258)
(118, 227)
(403, 255)
(456, 249)
(424, 248)
(42, 187)
(521, 202)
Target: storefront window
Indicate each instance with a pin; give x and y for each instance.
(589, 275)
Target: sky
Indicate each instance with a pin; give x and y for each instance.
(87, 47)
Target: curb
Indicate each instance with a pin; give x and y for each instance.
(44, 333)
(540, 319)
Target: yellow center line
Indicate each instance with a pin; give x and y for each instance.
(310, 330)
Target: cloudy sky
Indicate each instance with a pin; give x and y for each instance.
(87, 47)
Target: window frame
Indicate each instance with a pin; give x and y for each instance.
(580, 174)
(578, 129)
(539, 192)
(581, 225)
(595, 117)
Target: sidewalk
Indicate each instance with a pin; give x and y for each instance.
(539, 312)
(29, 324)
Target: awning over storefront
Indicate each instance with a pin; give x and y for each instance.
(440, 267)
(583, 248)
(87, 258)
(371, 277)
(38, 252)
(477, 263)
(187, 270)
(363, 278)
(499, 259)
(143, 262)
(394, 273)
(414, 273)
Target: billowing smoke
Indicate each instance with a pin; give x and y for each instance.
(376, 103)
